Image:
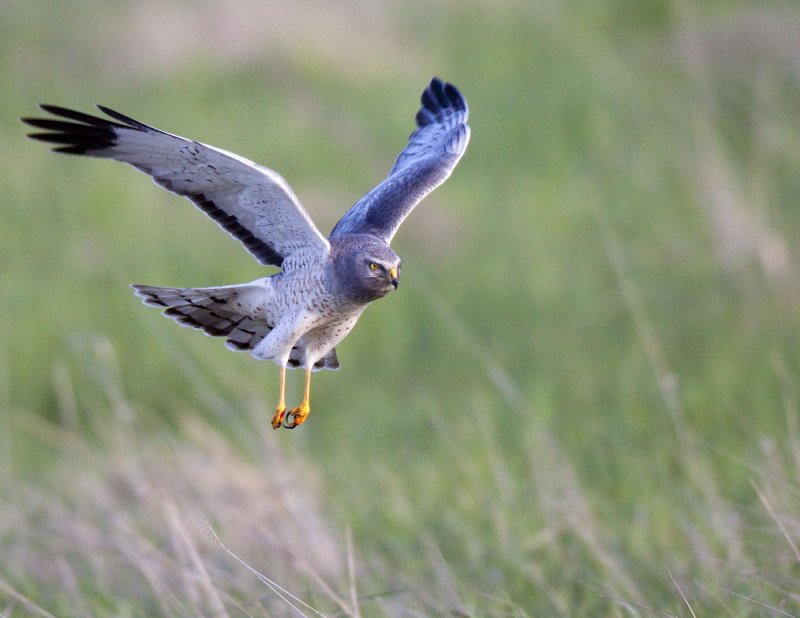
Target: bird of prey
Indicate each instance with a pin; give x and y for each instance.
(297, 316)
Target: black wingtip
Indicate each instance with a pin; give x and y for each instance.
(438, 96)
(77, 132)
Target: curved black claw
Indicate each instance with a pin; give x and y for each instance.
(289, 420)
(296, 416)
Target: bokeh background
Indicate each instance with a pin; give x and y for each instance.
(583, 399)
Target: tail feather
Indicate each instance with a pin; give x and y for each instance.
(238, 312)
(218, 312)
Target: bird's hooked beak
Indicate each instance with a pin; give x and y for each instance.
(394, 277)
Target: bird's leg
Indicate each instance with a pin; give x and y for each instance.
(280, 411)
(298, 415)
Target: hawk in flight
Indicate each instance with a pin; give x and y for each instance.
(297, 316)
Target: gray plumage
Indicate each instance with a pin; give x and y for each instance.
(297, 316)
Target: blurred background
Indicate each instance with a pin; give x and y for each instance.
(583, 399)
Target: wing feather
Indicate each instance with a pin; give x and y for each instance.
(254, 204)
(433, 150)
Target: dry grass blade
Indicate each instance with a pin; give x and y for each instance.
(775, 610)
(777, 520)
(680, 591)
(282, 592)
(23, 600)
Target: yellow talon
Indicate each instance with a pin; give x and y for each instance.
(297, 416)
(277, 418)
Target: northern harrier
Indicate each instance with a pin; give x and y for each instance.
(297, 316)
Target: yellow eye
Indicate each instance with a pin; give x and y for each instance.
(373, 266)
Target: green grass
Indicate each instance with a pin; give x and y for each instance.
(583, 399)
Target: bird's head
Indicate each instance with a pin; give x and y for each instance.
(367, 268)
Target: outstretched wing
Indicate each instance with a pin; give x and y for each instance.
(252, 203)
(430, 156)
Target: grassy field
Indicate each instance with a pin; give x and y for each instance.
(584, 399)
